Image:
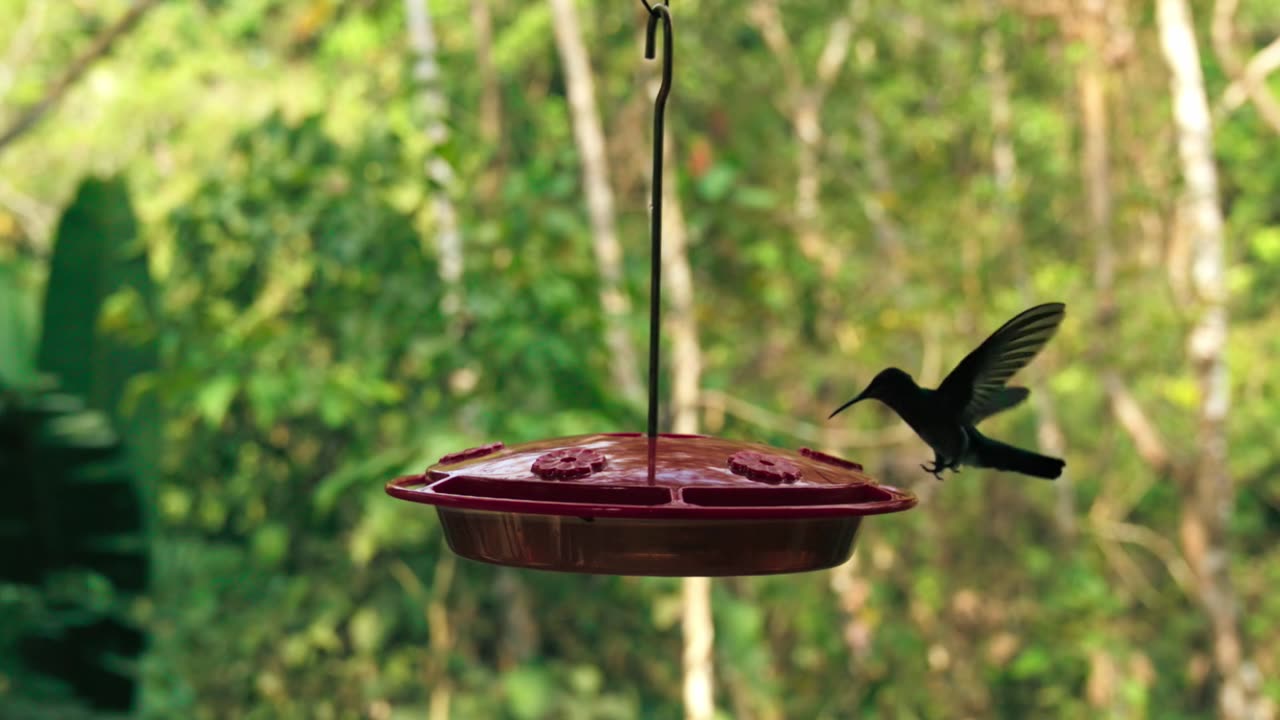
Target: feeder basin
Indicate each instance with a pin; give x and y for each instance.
(681, 505)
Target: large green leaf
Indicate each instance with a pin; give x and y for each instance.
(98, 335)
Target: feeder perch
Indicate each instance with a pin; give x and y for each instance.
(652, 503)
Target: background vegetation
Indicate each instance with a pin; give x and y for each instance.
(370, 236)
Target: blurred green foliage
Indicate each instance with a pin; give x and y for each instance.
(78, 559)
(75, 517)
(274, 156)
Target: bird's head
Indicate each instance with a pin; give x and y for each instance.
(886, 385)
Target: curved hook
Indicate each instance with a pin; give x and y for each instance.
(657, 12)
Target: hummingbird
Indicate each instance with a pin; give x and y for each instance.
(946, 418)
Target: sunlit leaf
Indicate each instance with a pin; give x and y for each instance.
(214, 399)
(528, 691)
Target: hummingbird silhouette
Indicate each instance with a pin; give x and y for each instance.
(946, 418)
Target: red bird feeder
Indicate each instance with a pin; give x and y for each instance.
(697, 505)
(651, 503)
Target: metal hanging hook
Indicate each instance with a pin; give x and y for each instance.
(657, 12)
(663, 13)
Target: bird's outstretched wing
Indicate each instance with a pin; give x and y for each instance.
(1003, 399)
(973, 389)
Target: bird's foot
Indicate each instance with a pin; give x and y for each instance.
(935, 471)
(940, 467)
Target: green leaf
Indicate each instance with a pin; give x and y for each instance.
(586, 679)
(755, 198)
(367, 470)
(17, 330)
(367, 630)
(1031, 662)
(268, 392)
(97, 310)
(1266, 244)
(214, 398)
(529, 692)
(96, 255)
(717, 182)
(271, 544)
(334, 408)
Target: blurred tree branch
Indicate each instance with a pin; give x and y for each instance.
(1265, 62)
(802, 102)
(1133, 420)
(721, 402)
(436, 612)
(1247, 80)
(99, 49)
(1126, 568)
(1152, 541)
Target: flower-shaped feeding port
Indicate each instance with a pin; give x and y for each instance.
(764, 468)
(710, 507)
(568, 463)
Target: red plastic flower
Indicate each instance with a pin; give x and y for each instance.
(568, 463)
(764, 468)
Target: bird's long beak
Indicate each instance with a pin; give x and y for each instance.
(861, 396)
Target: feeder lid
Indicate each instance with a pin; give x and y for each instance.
(694, 476)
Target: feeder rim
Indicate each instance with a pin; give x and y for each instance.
(420, 489)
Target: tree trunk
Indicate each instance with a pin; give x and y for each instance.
(489, 182)
(426, 73)
(441, 642)
(699, 634)
(520, 634)
(853, 592)
(1095, 172)
(887, 233)
(1095, 162)
(595, 175)
(1208, 502)
(490, 92)
(686, 353)
(805, 121)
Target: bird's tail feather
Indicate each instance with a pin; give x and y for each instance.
(1002, 456)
